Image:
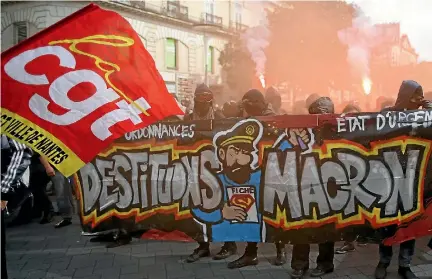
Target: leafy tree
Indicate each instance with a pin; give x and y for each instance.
(238, 67)
(305, 50)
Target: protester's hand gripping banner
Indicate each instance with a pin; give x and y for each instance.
(292, 178)
(73, 88)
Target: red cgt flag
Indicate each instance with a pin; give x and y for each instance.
(73, 88)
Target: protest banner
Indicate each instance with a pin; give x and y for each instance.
(293, 178)
(70, 90)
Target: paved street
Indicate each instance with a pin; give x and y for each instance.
(40, 251)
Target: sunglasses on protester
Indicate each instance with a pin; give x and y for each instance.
(248, 102)
(203, 98)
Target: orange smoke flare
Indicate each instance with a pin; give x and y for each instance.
(367, 85)
(262, 80)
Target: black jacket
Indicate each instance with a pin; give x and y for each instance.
(15, 159)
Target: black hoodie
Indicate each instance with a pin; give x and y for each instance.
(212, 113)
(15, 159)
(255, 102)
(406, 92)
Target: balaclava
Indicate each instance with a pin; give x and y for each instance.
(254, 103)
(203, 103)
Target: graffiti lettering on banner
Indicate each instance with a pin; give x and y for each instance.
(162, 131)
(387, 120)
(250, 182)
(32, 136)
(72, 93)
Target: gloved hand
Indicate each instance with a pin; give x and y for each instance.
(427, 104)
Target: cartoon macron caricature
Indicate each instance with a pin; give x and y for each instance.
(237, 151)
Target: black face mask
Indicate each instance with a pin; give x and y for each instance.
(254, 108)
(416, 100)
(202, 108)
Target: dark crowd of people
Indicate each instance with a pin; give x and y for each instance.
(17, 159)
(255, 103)
(25, 199)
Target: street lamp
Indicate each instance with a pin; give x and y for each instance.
(206, 27)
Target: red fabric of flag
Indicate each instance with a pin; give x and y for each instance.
(73, 88)
(419, 227)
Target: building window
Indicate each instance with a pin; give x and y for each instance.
(210, 6)
(20, 31)
(171, 53)
(210, 59)
(394, 58)
(238, 11)
(238, 18)
(171, 87)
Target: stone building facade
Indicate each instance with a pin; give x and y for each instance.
(176, 33)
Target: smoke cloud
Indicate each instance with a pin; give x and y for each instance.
(414, 17)
(360, 38)
(257, 38)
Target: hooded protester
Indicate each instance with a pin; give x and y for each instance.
(203, 105)
(254, 104)
(300, 253)
(410, 97)
(274, 98)
(204, 110)
(231, 109)
(15, 159)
